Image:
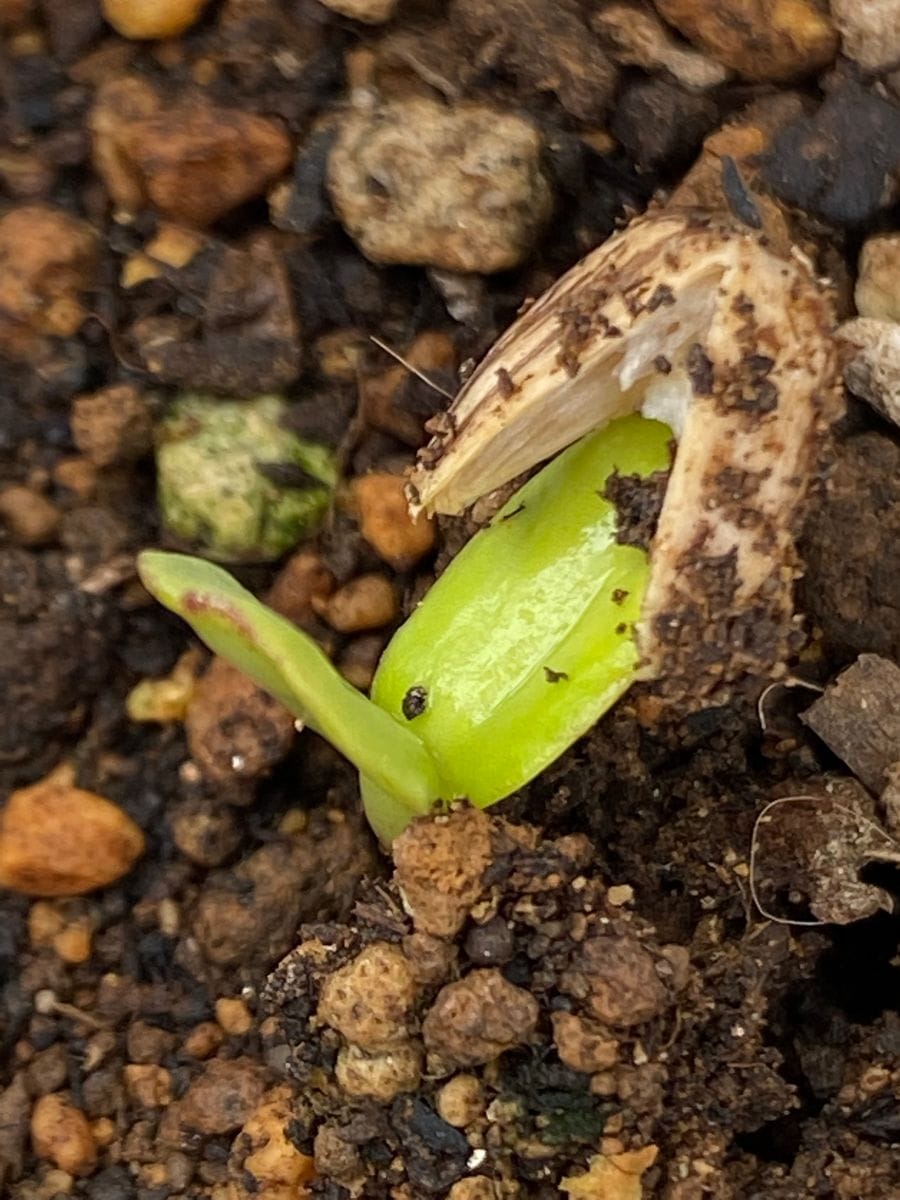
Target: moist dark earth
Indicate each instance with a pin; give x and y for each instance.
(668, 968)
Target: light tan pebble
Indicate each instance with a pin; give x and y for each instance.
(617, 1177)
(368, 1000)
(233, 1015)
(31, 518)
(475, 1187)
(173, 246)
(44, 922)
(104, 1131)
(369, 12)
(581, 1045)
(166, 700)
(203, 1040)
(877, 292)
(760, 39)
(385, 520)
(47, 261)
(152, 1175)
(150, 19)
(149, 1086)
(206, 833)
(604, 1083)
(60, 1133)
(870, 31)
(73, 944)
(635, 36)
(873, 372)
(59, 840)
(461, 1100)
(77, 475)
(383, 1075)
(56, 1183)
(459, 188)
(113, 425)
(168, 916)
(265, 1152)
(366, 602)
(619, 895)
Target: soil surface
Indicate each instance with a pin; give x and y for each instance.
(665, 970)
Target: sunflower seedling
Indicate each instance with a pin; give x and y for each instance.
(544, 619)
(517, 649)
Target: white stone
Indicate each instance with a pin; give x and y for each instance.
(870, 31)
(458, 188)
(874, 372)
(878, 283)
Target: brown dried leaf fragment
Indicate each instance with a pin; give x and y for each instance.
(812, 847)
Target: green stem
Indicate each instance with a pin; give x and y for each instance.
(291, 667)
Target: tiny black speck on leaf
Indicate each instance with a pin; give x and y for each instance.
(415, 702)
(554, 676)
(619, 595)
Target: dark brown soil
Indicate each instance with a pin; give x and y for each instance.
(760, 1057)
